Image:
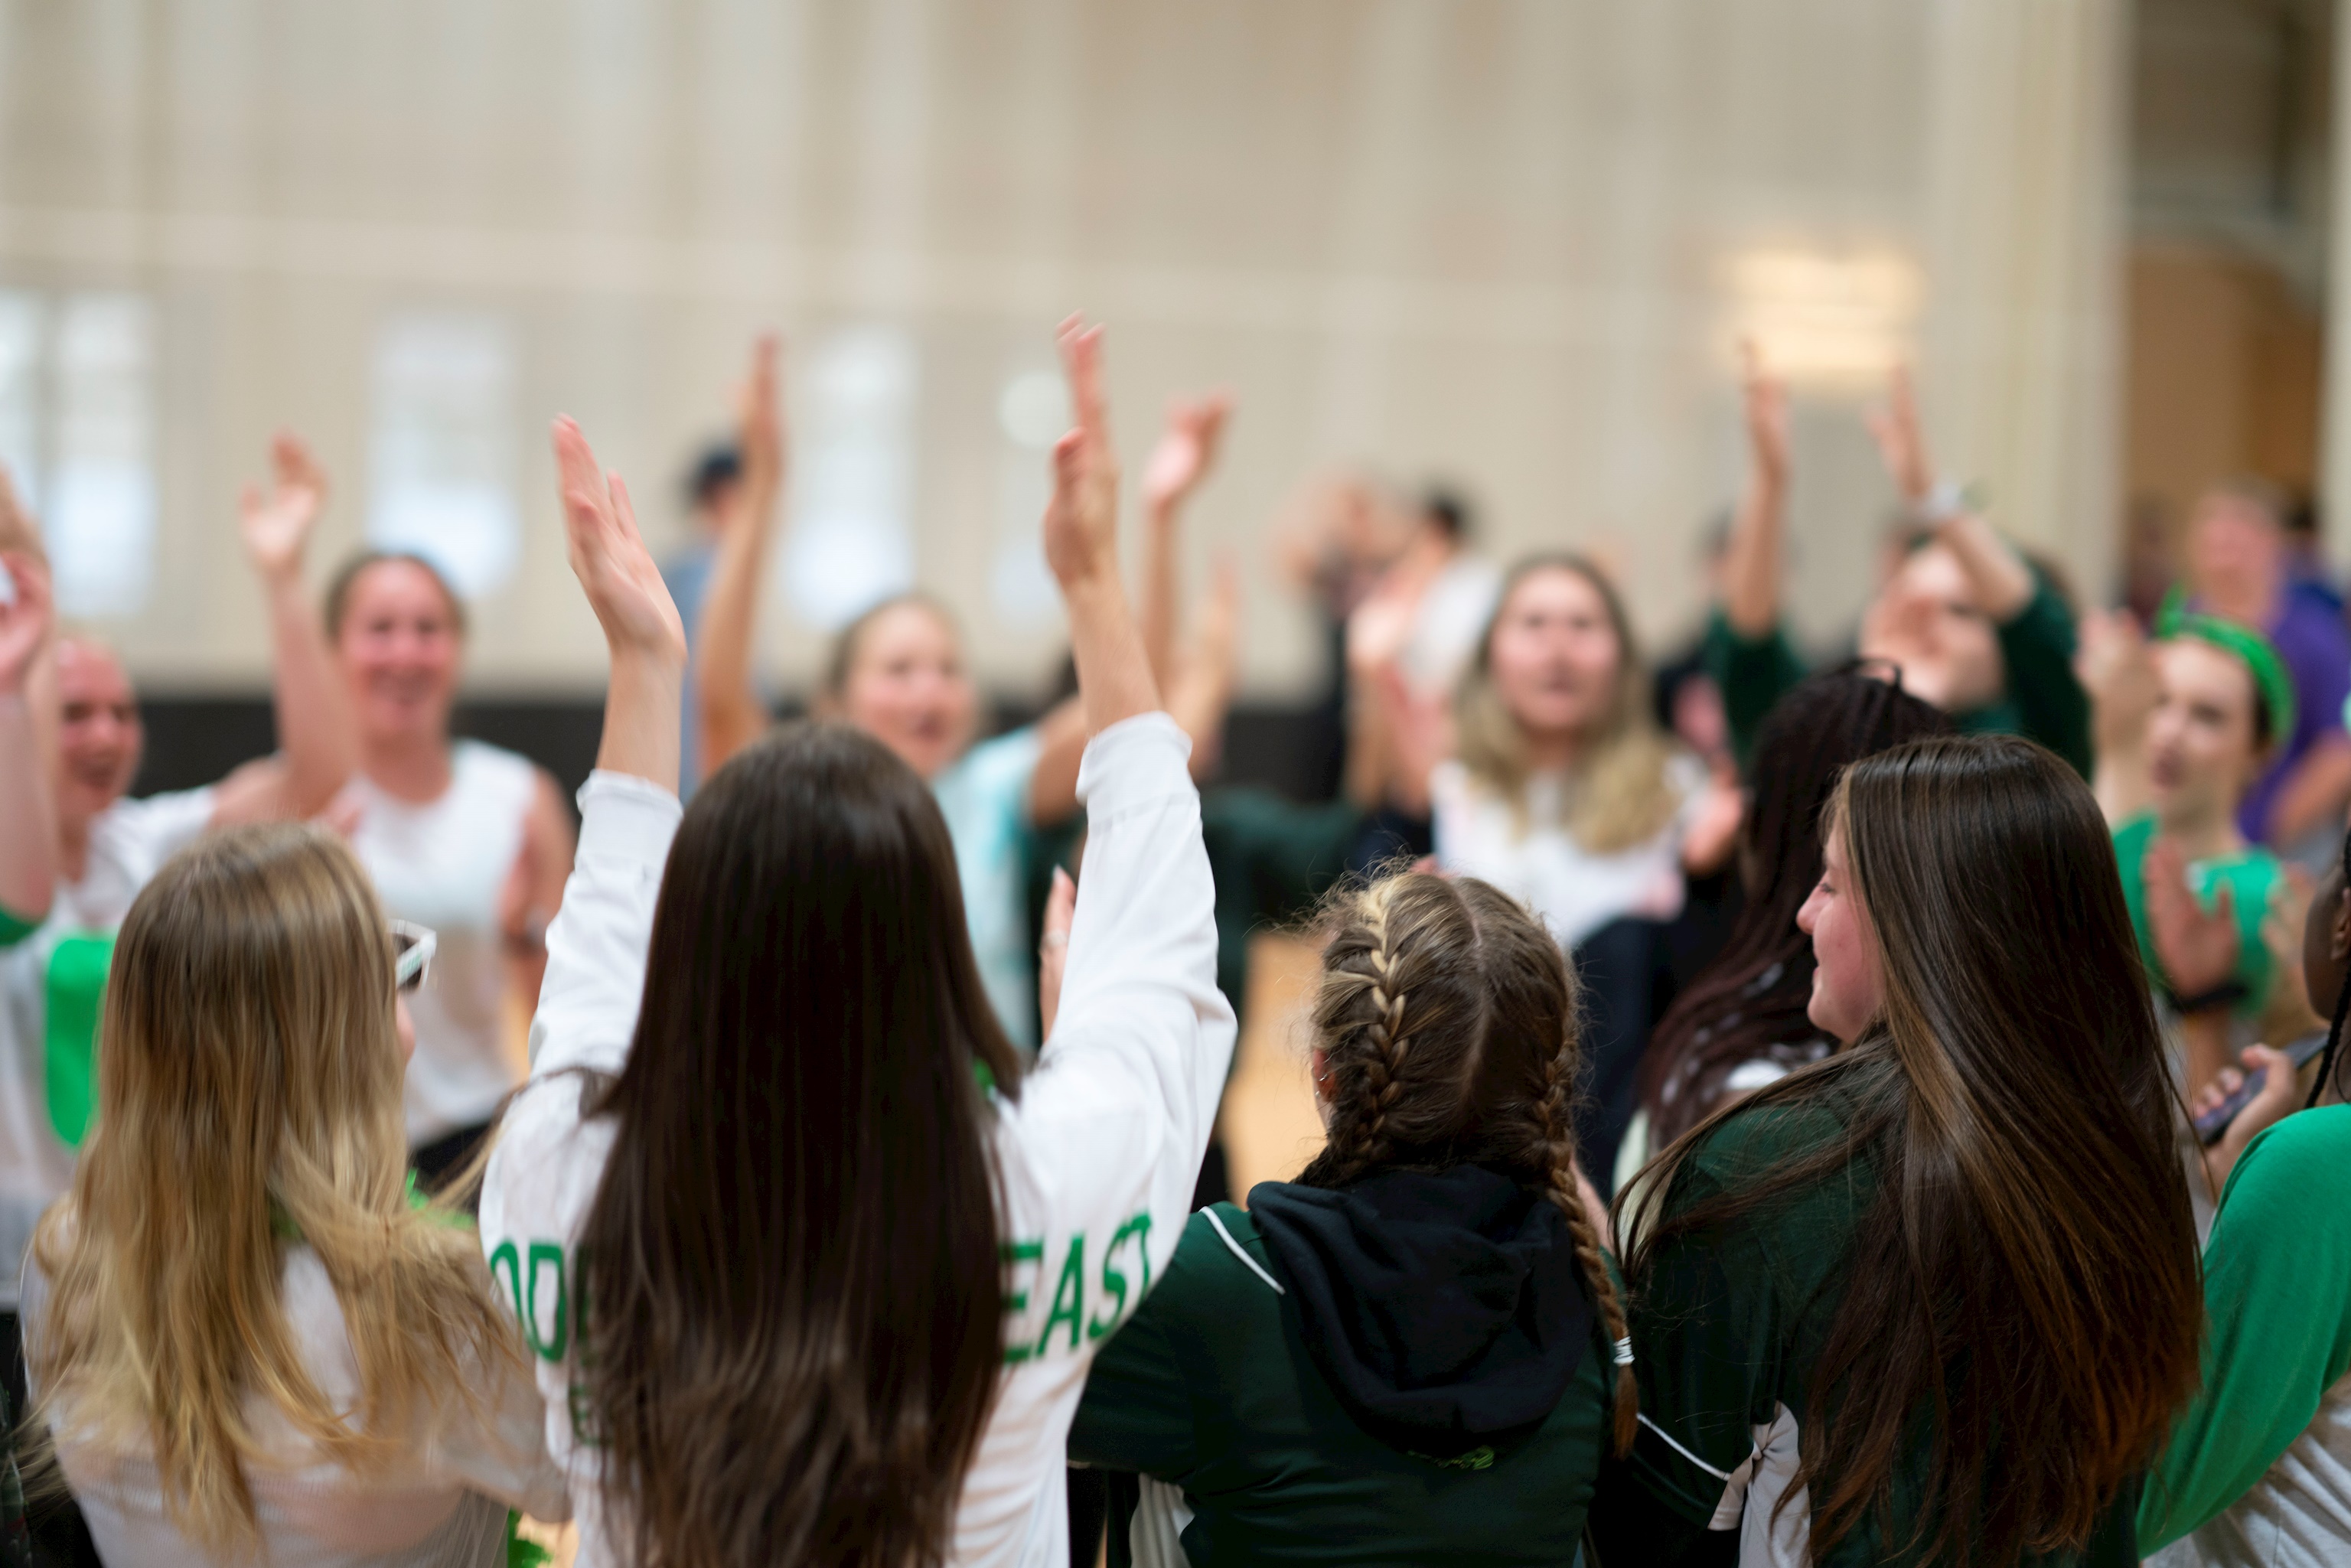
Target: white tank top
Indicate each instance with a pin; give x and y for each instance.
(444, 864)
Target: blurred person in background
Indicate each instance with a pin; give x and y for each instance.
(712, 486)
(1340, 533)
(2257, 1473)
(2186, 727)
(1742, 1022)
(1975, 628)
(465, 837)
(1549, 779)
(2239, 568)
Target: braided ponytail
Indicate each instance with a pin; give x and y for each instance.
(1559, 1134)
(1359, 1126)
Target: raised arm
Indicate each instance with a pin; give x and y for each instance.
(28, 829)
(2002, 583)
(728, 702)
(318, 734)
(1114, 677)
(2116, 670)
(641, 629)
(1755, 557)
(1186, 452)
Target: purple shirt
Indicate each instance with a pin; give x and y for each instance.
(2311, 638)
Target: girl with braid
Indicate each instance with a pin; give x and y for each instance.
(1414, 1353)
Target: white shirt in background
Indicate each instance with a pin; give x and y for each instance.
(444, 864)
(1534, 859)
(129, 843)
(1097, 1157)
(444, 1507)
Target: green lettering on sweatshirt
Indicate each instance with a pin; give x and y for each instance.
(1016, 1296)
(1069, 1294)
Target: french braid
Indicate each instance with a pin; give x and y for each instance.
(1558, 1134)
(1359, 1126)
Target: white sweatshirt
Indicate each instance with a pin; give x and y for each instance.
(1097, 1157)
(443, 1506)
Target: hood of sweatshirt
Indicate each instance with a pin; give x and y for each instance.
(1446, 1311)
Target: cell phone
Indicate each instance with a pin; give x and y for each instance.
(2212, 1123)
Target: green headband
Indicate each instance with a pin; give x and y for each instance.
(2271, 682)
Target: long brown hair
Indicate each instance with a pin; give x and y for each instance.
(248, 1100)
(1618, 797)
(2024, 1284)
(1447, 1020)
(1750, 1002)
(791, 1269)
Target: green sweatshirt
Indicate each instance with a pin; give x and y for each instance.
(2043, 701)
(1726, 1333)
(2277, 1292)
(1209, 1388)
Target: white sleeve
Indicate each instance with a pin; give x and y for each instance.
(596, 946)
(163, 825)
(1113, 1122)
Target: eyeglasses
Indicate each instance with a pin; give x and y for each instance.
(412, 946)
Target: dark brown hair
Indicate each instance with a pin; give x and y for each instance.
(1750, 1002)
(347, 578)
(1447, 1020)
(2022, 1292)
(790, 1275)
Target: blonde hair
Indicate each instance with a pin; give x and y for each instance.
(249, 1099)
(1447, 1019)
(1617, 794)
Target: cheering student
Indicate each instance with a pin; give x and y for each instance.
(1742, 1022)
(106, 845)
(2187, 725)
(1414, 1351)
(1550, 778)
(1975, 628)
(2255, 1475)
(813, 1265)
(247, 1339)
(465, 837)
(1934, 1298)
(897, 672)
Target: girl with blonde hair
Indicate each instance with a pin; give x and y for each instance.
(246, 1337)
(1414, 1352)
(1559, 787)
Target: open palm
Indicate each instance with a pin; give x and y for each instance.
(1082, 519)
(24, 617)
(275, 527)
(609, 555)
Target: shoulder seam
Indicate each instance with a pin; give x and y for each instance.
(1235, 1249)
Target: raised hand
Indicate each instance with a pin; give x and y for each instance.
(1902, 449)
(2198, 947)
(609, 555)
(1186, 451)
(275, 527)
(1082, 519)
(26, 617)
(18, 532)
(760, 428)
(1764, 400)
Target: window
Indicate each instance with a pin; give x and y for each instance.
(852, 543)
(442, 455)
(77, 432)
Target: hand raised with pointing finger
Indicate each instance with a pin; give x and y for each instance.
(609, 556)
(1082, 519)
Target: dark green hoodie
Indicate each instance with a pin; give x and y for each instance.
(1408, 1370)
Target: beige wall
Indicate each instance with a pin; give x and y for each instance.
(1495, 241)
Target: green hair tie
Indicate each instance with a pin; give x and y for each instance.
(2270, 681)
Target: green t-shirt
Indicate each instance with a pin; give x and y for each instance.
(2252, 876)
(2277, 1295)
(1726, 1333)
(1210, 1386)
(2043, 700)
